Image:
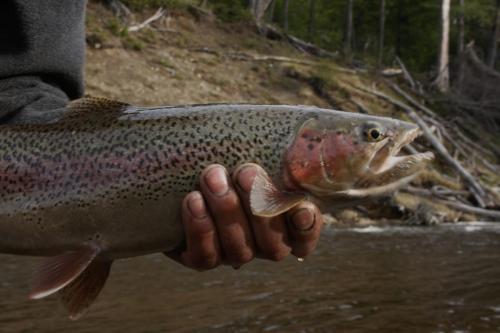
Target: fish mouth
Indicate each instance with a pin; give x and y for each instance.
(387, 171)
(386, 157)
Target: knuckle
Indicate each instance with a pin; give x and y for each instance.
(232, 200)
(200, 230)
(227, 204)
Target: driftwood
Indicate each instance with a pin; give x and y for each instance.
(412, 101)
(273, 33)
(464, 122)
(258, 57)
(406, 74)
(390, 72)
(471, 209)
(474, 59)
(310, 48)
(360, 106)
(453, 204)
(459, 140)
(473, 145)
(435, 191)
(253, 57)
(156, 16)
(475, 188)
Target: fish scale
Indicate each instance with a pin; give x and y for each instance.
(107, 180)
(146, 155)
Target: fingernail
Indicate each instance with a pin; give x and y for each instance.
(246, 177)
(197, 206)
(303, 219)
(216, 180)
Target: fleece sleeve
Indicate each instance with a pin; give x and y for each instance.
(42, 48)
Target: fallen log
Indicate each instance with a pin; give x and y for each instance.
(435, 191)
(471, 209)
(360, 106)
(406, 74)
(390, 72)
(259, 57)
(446, 128)
(412, 101)
(460, 206)
(273, 33)
(253, 57)
(481, 66)
(310, 48)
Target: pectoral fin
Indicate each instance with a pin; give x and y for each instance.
(267, 201)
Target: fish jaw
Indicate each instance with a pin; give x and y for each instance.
(387, 169)
(402, 171)
(329, 159)
(385, 157)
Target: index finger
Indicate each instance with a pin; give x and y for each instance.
(304, 223)
(271, 236)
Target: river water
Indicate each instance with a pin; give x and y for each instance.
(439, 279)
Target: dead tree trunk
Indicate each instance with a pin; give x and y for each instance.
(252, 4)
(443, 77)
(310, 26)
(495, 37)
(272, 7)
(285, 15)
(381, 34)
(258, 9)
(461, 45)
(348, 31)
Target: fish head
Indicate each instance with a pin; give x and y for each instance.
(352, 155)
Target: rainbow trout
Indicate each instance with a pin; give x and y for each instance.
(106, 181)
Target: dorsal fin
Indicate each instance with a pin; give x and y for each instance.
(94, 107)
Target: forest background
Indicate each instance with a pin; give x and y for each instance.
(433, 62)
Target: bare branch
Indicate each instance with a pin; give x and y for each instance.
(454, 204)
(406, 74)
(156, 16)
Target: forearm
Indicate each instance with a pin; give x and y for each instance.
(42, 47)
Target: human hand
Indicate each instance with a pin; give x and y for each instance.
(220, 229)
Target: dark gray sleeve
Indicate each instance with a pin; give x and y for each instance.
(42, 48)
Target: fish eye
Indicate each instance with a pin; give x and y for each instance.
(374, 134)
